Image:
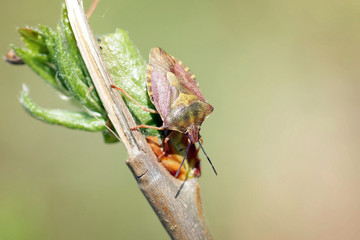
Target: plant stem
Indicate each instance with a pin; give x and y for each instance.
(176, 203)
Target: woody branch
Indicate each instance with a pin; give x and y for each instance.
(180, 214)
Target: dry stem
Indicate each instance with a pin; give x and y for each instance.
(180, 212)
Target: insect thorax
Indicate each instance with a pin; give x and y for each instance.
(182, 117)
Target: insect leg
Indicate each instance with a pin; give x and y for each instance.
(92, 8)
(147, 126)
(201, 140)
(90, 90)
(166, 145)
(146, 109)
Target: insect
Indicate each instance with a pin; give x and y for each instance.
(176, 95)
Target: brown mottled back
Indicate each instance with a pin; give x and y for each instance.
(158, 86)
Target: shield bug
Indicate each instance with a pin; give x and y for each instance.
(176, 95)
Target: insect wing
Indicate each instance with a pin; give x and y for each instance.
(158, 86)
(187, 79)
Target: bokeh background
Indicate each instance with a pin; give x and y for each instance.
(284, 79)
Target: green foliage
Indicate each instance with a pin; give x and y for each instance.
(55, 57)
(74, 120)
(128, 70)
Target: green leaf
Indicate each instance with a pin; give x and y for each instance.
(45, 71)
(69, 119)
(72, 45)
(34, 40)
(75, 53)
(109, 137)
(49, 41)
(128, 70)
(55, 57)
(72, 75)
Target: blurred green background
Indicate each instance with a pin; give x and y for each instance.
(284, 79)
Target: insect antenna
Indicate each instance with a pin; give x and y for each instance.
(186, 153)
(207, 158)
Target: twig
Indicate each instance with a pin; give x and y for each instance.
(182, 217)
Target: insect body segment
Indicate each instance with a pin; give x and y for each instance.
(176, 95)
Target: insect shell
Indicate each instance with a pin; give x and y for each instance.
(176, 95)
